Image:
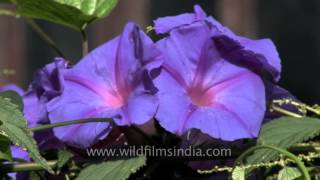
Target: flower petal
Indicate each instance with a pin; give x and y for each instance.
(244, 101)
(173, 102)
(260, 56)
(184, 59)
(217, 123)
(78, 102)
(34, 110)
(139, 109)
(166, 24)
(173, 111)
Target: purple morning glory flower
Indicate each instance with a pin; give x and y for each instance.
(207, 85)
(260, 56)
(113, 81)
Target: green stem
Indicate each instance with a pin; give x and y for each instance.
(67, 123)
(285, 112)
(291, 156)
(44, 36)
(21, 167)
(85, 44)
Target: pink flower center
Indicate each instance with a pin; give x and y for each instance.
(113, 101)
(200, 97)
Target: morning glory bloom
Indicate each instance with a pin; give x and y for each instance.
(260, 56)
(113, 81)
(205, 84)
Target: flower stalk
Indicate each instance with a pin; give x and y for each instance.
(85, 43)
(25, 166)
(68, 123)
(285, 112)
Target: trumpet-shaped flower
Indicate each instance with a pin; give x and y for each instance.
(200, 87)
(113, 81)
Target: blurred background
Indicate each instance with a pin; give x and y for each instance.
(293, 25)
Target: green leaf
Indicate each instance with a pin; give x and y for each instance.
(96, 8)
(5, 153)
(238, 173)
(284, 133)
(117, 170)
(289, 173)
(14, 97)
(15, 127)
(63, 157)
(72, 13)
